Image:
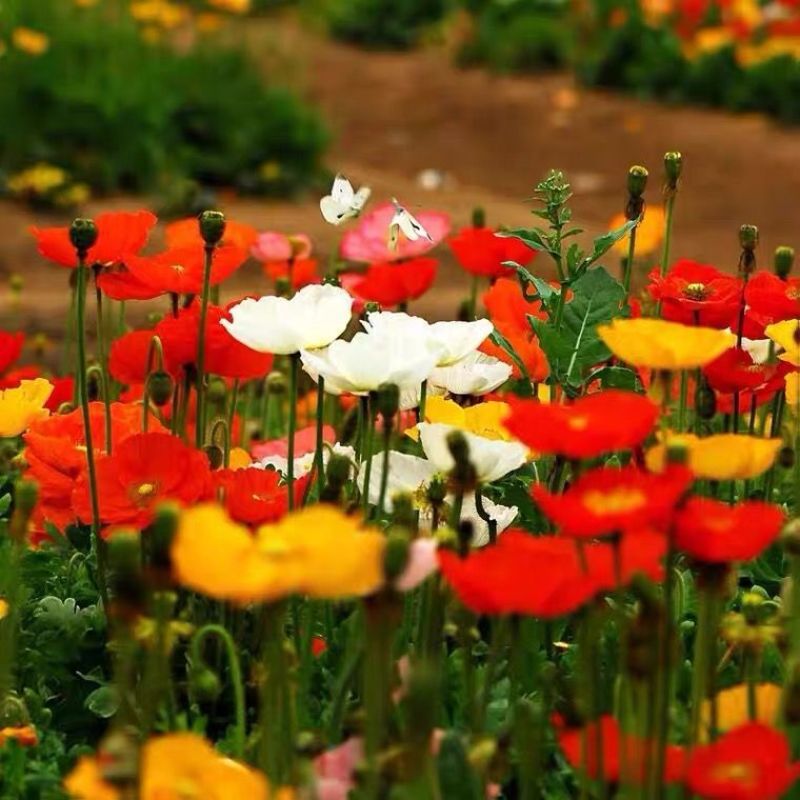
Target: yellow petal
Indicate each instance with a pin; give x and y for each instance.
(23, 404)
(786, 334)
(732, 708)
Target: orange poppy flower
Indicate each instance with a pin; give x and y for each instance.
(546, 576)
(607, 500)
(144, 470)
(751, 762)
(592, 425)
(770, 296)
(120, 234)
(186, 233)
(256, 496)
(397, 283)
(714, 532)
(508, 309)
(10, 349)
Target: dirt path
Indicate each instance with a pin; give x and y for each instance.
(394, 115)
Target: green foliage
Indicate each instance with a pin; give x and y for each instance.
(518, 35)
(120, 113)
(381, 23)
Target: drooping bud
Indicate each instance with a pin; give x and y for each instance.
(159, 387)
(83, 235)
(388, 400)
(478, 217)
(159, 536)
(212, 227)
(784, 261)
(673, 165)
(276, 383)
(705, 401)
(637, 181)
(204, 684)
(215, 455)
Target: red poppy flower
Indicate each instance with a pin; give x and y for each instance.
(712, 531)
(119, 235)
(14, 377)
(592, 425)
(751, 762)
(769, 295)
(603, 750)
(735, 371)
(608, 500)
(119, 283)
(144, 470)
(480, 251)
(397, 283)
(180, 270)
(186, 233)
(696, 294)
(546, 576)
(508, 309)
(63, 392)
(774, 375)
(10, 348)
(303, 271)
(128, 356)
(256, 496)
(224, 355)
(305, 441)
(55, 454)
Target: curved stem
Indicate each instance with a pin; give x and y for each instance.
(236, 677)
(485, 516)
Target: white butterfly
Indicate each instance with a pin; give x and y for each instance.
(403, 222)
(343, 202)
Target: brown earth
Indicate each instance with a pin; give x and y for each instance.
(490, 138)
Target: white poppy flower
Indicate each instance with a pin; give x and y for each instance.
(305, 463)
(368, 360)
(492, 458)
(474, 374)
(455, 340)
(313, 318)
(411, 475)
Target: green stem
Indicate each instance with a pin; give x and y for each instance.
(490, 521)
(200, 427)
(294, 364)
(626, 275)
(83, 396)
(668, 212)
(231, 415)
(472, 307)
(236, 678)
(369, 431)
(387, 440)
(319, 452)
(704, 655)
(423, 397)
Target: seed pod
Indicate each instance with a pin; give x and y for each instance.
(83, 235)
(784, 261)
(673, 165)
(637, 181)
(212, 227)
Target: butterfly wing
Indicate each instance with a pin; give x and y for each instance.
(360, 198)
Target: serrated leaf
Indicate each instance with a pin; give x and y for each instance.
(574, 348)
(544, 291)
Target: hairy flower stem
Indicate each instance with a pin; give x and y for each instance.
(708, 609)
(231, 416)
(793, 635)
(294, 365)
(237, 684)
(200, 426)
(387, 442)
(83, 397)
(629, 261)
(369, 430)
(319, 452)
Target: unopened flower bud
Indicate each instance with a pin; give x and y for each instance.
(160, 535)
(283, 287)
(463, 472)
(637, 181)
(276, 383)
(786, 457)
(83, 235)
(395, 555)
(748, 237)
(331, 279)
(65, 408)
(388, 397)
(204, 684)
(784, 261)
(216, 391)
(478, 217)
(673, 164)
(371, 307)
(705, 401)
(403, 509)
(125, 578)
(212, 227)
(26, 493)
(215, 455)
(159, 387)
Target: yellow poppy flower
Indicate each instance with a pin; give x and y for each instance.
(649, 232)
(318, 551)
(23, 404)
(4, 608)
(786, 334)
(483, 419)
(23, 735)
(659, 344)
(239, 458)
(231, 6)
(792, 381)
(175, 765)
(722, 457)
(38, 179)
(732, 708)
(29, 41)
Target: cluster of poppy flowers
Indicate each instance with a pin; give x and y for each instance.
(622, 488)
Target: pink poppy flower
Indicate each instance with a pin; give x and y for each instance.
(369, 240)
(271, 246)
(305, 441)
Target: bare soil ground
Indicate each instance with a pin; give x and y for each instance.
(394, 115)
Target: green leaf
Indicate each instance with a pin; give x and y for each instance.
(616, 378)
(544, 291)
(602, 244)
(5, 504)
(576, 347)
(503, 343)
(456, 778)
(534, 238)
(103, 702)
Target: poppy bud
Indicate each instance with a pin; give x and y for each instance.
(65, 408)
(212, 227)
(478, 217)
(26, 493)
(338, 470)
(204, 684)
(125, 583)
(159, 387)
(637, 181)
(705, 401)
(748, 237)
(160, 535)
(371, 307)
(215, 455)
(83, 235)
(276, 383)
(388, 397)
(331, 280)
(463, 472)
(784, 261)
(786, 457)
(403, 509)
(282, 287)
(790, 537)
(216, 391)
(93, 386)
(673, 164)
(13, 711)
(395, 555)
